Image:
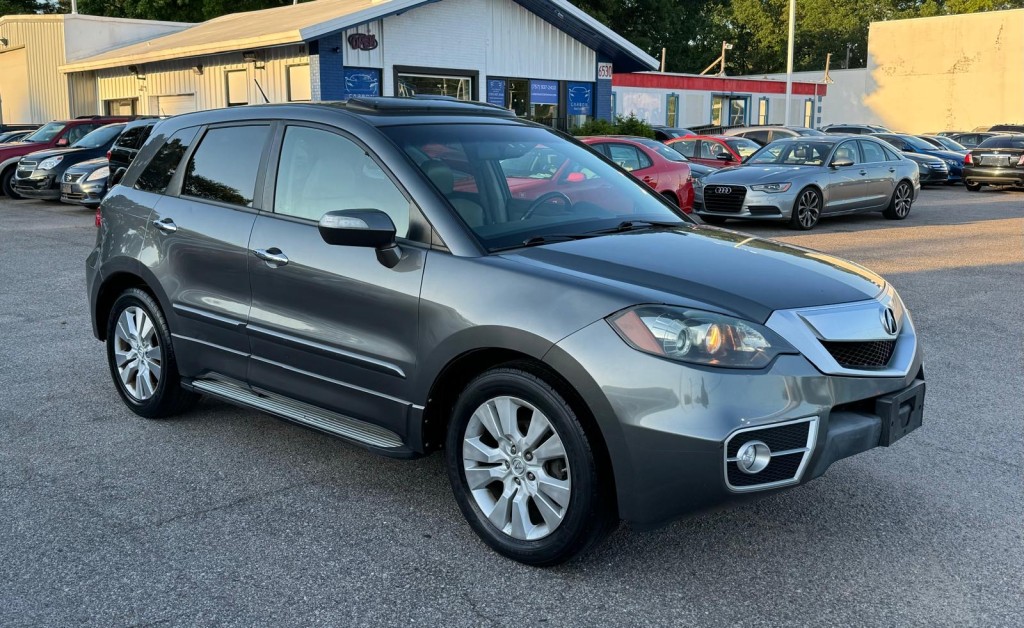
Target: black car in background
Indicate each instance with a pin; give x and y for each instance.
(766, 134)
(666, 133)
(1007, 128)
(998, 160)
(39, 174)
(971, 139)
(127, 145)
(85, 183)
(934, 171)
(5, 128)
(13, 136)
(854, 129)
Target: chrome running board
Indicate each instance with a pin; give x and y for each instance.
(302, 413)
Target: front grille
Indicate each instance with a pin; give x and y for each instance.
(860, 355)
(782, 469)
(724, 198)
(73, 196)
(26, 168)
(73, 177)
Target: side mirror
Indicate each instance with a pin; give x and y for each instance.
(116, 177)
(62, 142)
(370, 228)
(841, 163)
(723, 157)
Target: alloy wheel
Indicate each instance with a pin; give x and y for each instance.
(137, 353)
(903, 200)
(516, 468)
(808, 209)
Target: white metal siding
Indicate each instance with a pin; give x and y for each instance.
(44, 42)
(174, 105)
(15, 104)
(175, 78)
(524, 45)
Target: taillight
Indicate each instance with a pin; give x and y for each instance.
(108, 155)
(99, 218)
(967, 160)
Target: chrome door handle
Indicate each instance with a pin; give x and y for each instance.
(166, 225)
(892, 170)
(272, 256)
(863, 172)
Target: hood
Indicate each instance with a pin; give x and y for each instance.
(922, 158)
(53, 152)
(90, 165)
(752, 175)
(736, 273)
(20, 147)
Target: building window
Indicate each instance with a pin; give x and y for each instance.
(519, 96)
(809, 113)
(737, 112)
(672, 110)
(411, 82)
(122, 107)
(238, 88)
(728, 110)
(762, 111)
(299, 87)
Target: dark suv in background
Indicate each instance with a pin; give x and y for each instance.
(999, 160)
(854, 129)
(127, 145)
(385, 271)
(41, 174)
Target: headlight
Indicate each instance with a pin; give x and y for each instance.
(99, 173)
(49, 163)
(922, 168)
(698, 337)
(771, 187)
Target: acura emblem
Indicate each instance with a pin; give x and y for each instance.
(889, 322)
(723, 190)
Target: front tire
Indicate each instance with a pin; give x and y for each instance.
(806, 210)
(522, 469)
(7, 184)
(902, 199)
(973, 187)
(141, 358)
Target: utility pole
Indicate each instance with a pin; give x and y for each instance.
(662, 59)
(789, 58)
(847, 66)
(720, 61)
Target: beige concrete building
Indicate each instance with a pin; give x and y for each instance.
(932, 74)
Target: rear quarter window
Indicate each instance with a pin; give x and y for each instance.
(225, 166)
(160, 170)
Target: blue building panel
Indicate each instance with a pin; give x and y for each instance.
(327, 68)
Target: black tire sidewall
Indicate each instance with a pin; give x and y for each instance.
(581, 526)
(794, 219)
(890, 211)
(7, 184)
(156, 405)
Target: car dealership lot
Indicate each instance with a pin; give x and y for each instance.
(231, 516)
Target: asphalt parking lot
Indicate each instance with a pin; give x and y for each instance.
(228, 516)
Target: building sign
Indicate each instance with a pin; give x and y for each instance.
(362, 41)
(496, 92)
(604, 71)
(362, 82)
(580, 98)
(544, 92)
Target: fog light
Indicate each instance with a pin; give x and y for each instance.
(753, 457)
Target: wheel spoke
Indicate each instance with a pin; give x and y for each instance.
(539, 426)
(488, 418)
(475, 449)
(551, 449)
(521, 524)
(506, 409)
(153, 354)
(557, 490)
(121, 358)
(479, 477)
(121, 332)
(501, 514)
(155, 369)
(549, 511)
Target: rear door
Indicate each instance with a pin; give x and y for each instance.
(331, 325)
(880, 177)
(200, 235)
(634, 160)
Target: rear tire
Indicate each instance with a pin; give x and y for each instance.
(7, 184)
(671, 198)
(899, 205)
(141, 358)
(522, 469)
(973, 187)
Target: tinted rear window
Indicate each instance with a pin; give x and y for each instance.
(160, 170)
(224, 167)
(1003, 141)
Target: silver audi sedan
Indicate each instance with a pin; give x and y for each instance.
(802, 179)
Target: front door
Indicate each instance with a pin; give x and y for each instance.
(847, 186)
(201, 235)
(331, 325)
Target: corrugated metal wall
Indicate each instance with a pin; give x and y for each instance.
(174, 78)
(550, 54)
(44, 40)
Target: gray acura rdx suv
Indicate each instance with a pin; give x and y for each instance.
(416, 275)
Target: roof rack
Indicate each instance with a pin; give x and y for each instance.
(426, 104)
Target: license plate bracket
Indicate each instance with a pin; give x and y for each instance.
(65, 188)
(901, 412)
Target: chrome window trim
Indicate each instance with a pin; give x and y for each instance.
(812, 437)
(860, 321)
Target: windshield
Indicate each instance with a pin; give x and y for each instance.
(915, 142)
(950, 144)
(810, 132)
(46, 132)
(100, 137)
(796, 153)
(663, 150)
(512, 184)
(742, 146)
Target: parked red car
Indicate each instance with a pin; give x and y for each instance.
(55, 134)
(652, 162)
(715, 150)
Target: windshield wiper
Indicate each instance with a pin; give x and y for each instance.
(556, 237)
(629, 225)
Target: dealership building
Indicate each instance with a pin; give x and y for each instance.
(545, 59)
